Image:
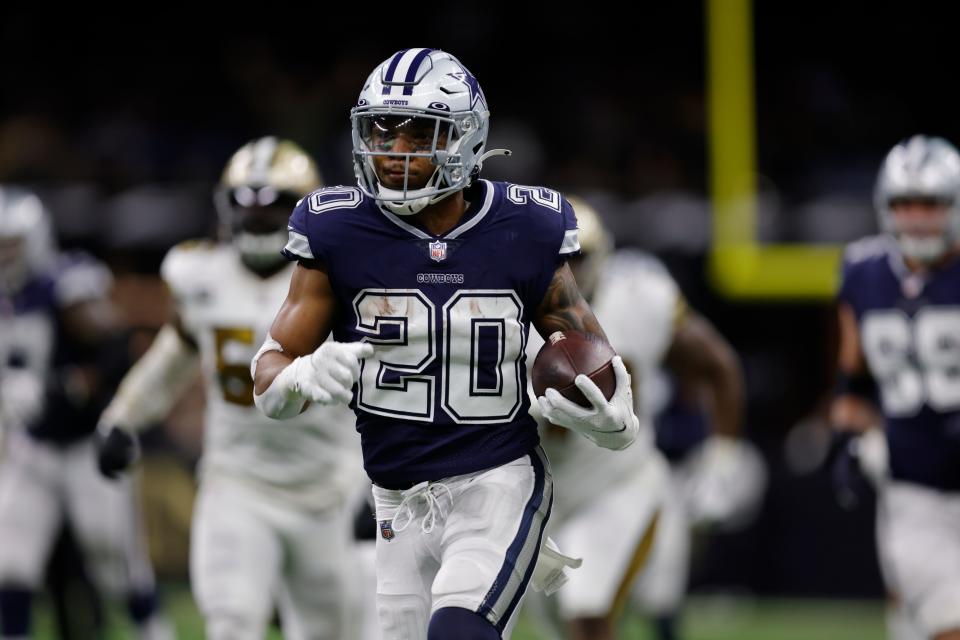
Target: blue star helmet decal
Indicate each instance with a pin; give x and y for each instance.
(476, 93)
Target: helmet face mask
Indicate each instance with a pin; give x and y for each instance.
(404, 154)
(13, 255)
(262, 183)
(419, 140)
(260, 211)
(922, 226)
(918, 197)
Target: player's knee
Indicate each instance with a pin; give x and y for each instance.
(456, 622)
(402, 616)
(21, 561)
(23, 572)
(223, 625)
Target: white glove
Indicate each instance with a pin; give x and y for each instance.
(724, 480)
(874, 456)
(610, 424)
(21, 397)
(551, 571)
(326, 376)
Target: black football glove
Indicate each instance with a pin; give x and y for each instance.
(850, 485)
(117, 450)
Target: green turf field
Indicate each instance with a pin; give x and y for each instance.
(707, 618)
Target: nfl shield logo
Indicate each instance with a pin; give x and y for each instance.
(386, 530)
(438, 250)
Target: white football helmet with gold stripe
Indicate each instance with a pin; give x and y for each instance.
(596, 246)
(261, 185)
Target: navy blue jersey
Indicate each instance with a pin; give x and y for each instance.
(34, 339)
(910, 334)
(681, 426)
(445, 392)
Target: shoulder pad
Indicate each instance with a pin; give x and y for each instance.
(329, 199)
(866, 249)
(185, 261)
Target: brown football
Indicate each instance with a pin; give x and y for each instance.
(567, 354)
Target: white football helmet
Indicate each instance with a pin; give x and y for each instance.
(596, 246)
(26, 237)
(427, 96)
(260, 187)
(921, 168)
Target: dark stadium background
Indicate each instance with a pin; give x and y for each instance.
(123, 118)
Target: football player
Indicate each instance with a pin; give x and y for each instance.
(56, 322)
(900, 357)
(428, 278)
(271, 525)
(628, 515)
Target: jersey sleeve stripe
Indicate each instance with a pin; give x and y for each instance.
(298, 245)
(571, 242)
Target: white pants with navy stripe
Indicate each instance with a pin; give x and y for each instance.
(919, 544)
(469, 541)
(42, 484)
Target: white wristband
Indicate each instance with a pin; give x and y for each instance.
(268, 345)
(282, 399)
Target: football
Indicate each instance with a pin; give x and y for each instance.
(567, 354)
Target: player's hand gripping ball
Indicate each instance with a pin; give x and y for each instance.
(567, 354)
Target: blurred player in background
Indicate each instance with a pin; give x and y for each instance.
(54, 346)
(629, 516)
(429, 279)
(271, 525)
(899, 314)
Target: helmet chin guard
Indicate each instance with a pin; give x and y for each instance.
(393, 199)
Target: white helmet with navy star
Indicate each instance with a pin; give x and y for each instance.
(434, 89)
(926, 168)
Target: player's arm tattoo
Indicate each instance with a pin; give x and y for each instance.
(564, 308)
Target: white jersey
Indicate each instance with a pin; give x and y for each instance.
(313, 458)
(636, 303)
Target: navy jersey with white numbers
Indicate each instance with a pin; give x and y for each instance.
(34, 338)
(910, 334)
(445, 392)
